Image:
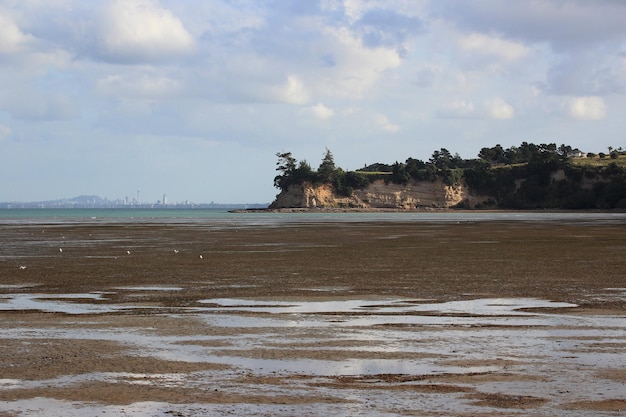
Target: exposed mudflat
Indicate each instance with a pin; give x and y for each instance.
(320, 319)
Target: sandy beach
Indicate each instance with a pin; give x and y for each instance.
(320, 318)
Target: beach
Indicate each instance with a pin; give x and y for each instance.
(317, 317)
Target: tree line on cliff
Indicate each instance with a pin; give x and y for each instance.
(519, 177)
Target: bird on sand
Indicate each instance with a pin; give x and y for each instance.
(175, 250)
(128, 252)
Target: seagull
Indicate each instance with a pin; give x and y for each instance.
(22, 266)
(60, 249)
(200, 256)
(128, 252)
(175, 250)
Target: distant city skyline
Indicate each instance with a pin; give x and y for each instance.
(97, 201)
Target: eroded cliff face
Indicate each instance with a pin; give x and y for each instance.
(379, 195)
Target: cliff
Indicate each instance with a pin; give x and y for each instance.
(527, 177)
(377, 195)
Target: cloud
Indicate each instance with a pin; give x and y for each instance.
(461, 109)
(586, 108)
(12, 39)
(354, 9)
(574, 45)
(30, 105)
(587, 74)
(499, 109)
(457, 109)
(563, 25)
(385, 27)
(141, 30)
(293, 91)
(139, 86)
(357, 67)
(385, 124)
(425, 76)
(322, 112)
(481, 44)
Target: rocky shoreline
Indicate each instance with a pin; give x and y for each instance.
(345, 210)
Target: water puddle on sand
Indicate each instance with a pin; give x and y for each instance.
(59, 303)
(306, 348)
(488, 306)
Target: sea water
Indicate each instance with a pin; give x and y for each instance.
(209, 215)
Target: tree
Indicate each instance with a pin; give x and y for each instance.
(511, 155)
(452, 176)
(286, 165)
(441, 158)
(304, 172)
(400, 176)
(492, 155)
(327, 168)
(527, 151)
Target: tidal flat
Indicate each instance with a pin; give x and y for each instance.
(316, 318)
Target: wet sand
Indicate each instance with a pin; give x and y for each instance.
(329, 318)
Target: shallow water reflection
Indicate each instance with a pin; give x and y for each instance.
(389, 348)
(487, 306)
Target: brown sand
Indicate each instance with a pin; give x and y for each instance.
(438, 262)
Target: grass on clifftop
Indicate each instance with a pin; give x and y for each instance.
(596, 161)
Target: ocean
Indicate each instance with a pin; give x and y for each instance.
(259, 218)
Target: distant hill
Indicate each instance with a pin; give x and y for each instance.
(93, 201)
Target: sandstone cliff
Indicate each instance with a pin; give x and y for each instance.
(378, 195)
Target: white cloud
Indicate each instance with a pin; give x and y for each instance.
(357, 67)
(141, 86)
(499, 109)
(587, 108)
(457, 109)
(477, 43)
(385, 124)
(136, 30)
(11, 37)
(354, 9)
(293, 91)
(322, 112)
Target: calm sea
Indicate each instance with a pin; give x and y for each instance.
(138, 215)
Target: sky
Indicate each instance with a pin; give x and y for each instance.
(194, 98)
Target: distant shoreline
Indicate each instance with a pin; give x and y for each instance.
(199, 206)
(339, 210)
(414, 210)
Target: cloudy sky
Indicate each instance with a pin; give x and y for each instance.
(194, 98)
